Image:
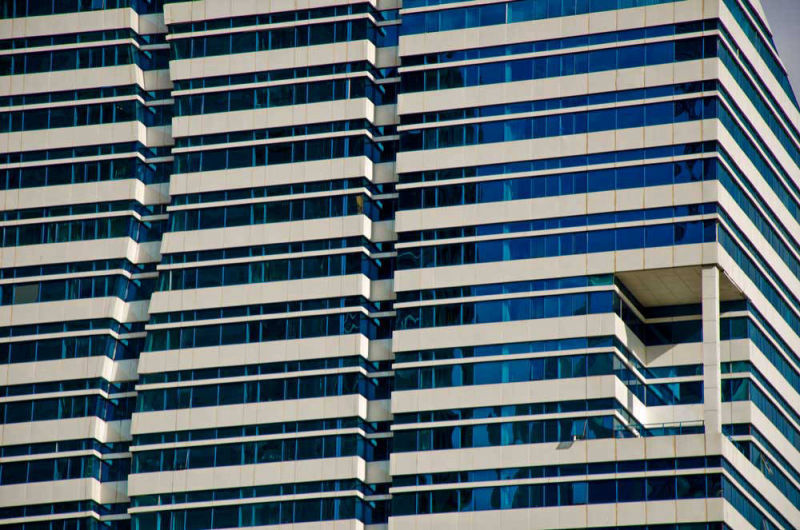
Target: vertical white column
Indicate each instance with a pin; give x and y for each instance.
(712, 408)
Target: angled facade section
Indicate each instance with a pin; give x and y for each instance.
(264, 386)
(84, 134)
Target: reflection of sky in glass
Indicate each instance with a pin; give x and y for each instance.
(784, 21)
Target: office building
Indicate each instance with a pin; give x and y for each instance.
(85, 164)
(596, 268)
(384, 265)
(263, 393)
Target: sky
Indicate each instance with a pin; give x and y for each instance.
(784, 21)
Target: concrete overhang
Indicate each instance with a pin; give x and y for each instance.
(674, 286)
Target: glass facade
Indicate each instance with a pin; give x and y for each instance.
(85, 118)
(417, 264)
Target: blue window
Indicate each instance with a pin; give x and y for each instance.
(31, 8)
(558, 65)
(94, 57)
(64, 469)
(518, 11)
(76, 288)
(548, 126)
(267, 330)
(275, 450)
(274, 39)
(283, 153)
(552, 245)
